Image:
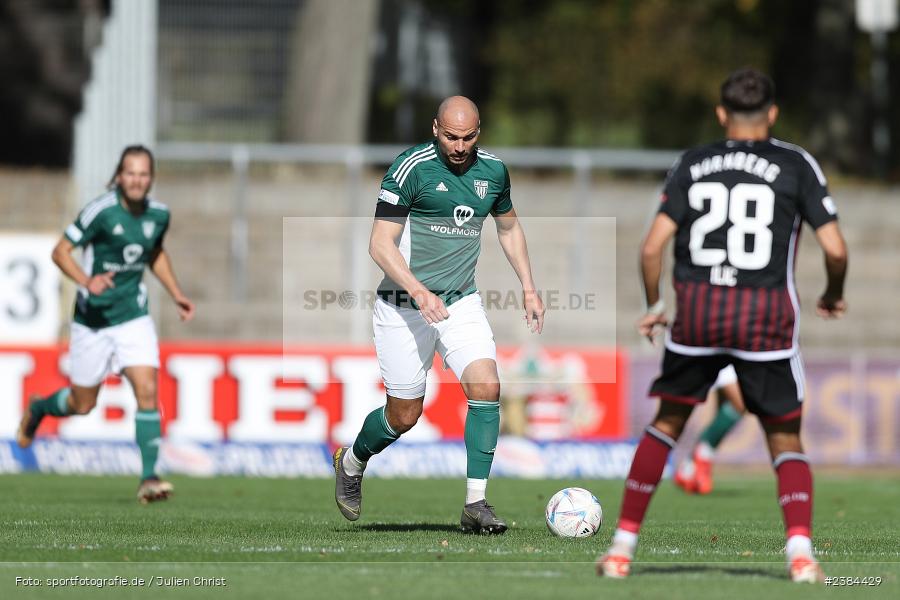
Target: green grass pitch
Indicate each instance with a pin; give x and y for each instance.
(285, 538)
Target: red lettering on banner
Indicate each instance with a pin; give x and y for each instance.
(213, 392)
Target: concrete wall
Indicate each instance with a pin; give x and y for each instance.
(34, 200)
(320, 228)
(302, 225)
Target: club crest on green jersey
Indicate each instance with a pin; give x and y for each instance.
(481, 187)
(149, 228)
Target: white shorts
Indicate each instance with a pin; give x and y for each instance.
(405, 343)
(95, 353)
(727, 376)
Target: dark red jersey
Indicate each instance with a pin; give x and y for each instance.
(739, 206)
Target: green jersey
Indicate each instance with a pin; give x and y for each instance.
(444, 214)
(116, 240)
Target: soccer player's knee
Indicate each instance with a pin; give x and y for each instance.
(483, 390)
(407, 417)
(780, 441)
(145, 391)
(671, 418)
(84, 407)
(672, 425)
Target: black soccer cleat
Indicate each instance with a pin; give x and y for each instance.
(479, 517)
(347, 488)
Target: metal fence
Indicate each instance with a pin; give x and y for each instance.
(356, 158)
(222, 67)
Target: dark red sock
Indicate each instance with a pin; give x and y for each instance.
(795, 492)
(646, 471)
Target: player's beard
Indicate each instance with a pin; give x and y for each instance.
(461, 165)
(134, 195)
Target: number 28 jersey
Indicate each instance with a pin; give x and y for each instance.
(739, 206)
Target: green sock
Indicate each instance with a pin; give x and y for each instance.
(148, 435)
(56, 404)
(375, 435)
(725, 420)
(482, 429)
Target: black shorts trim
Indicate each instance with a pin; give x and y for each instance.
(676, 399)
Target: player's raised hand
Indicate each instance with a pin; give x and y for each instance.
(185, 308)
(650, 323)
(534, 311)
(831, 308)
(431, 307)
(100, 282)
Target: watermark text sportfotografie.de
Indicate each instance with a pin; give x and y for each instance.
(492, 299)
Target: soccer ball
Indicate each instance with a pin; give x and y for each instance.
(574, 513)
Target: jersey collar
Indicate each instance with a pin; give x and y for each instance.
(731, 143)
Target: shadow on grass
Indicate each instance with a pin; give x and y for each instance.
(406, 527)
(706, 569)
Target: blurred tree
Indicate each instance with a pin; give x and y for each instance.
(646, 73)
(45, 48)
(894, 78)
(427, 50)
(815, 70)
(328, 78)
(618, 72)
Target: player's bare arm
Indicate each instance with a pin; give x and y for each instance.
(831, 304)
(383, 250)
(62, 257)
(661, 231)
(162, 268)
(512, 240)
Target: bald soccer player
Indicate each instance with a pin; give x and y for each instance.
(426, 238)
